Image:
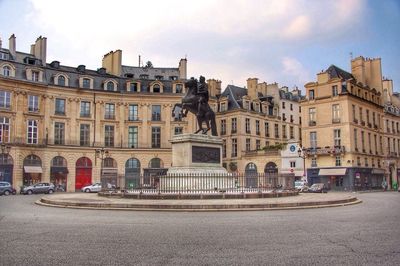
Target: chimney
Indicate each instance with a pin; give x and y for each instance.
(252, 91)
(183, 68)
(12, 46)
(0, 43)
(214, 87)
(40, 49)
(112, 62)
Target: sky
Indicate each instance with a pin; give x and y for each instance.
(283, 41)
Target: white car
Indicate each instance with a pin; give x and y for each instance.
(96, 187)
(301, 186)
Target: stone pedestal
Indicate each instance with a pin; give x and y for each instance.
(196, 154)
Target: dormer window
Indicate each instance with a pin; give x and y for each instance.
(61, 81)
(311, 95)
(223, 107)
(179, 88)
(6, 71)
(86, 83)
(133, 87)
(144, 76)
(4, 56)
(35, 75)
(129, 75)
(173, 77)
(158, 77)
(156, 88)
(110, 86)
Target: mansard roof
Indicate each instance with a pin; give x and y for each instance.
(336, 72)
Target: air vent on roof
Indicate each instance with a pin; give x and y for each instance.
(81, 68)
(101, 71)
(55, 64)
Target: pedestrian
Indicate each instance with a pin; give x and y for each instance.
(384, 185)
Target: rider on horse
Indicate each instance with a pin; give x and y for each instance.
(202, 92)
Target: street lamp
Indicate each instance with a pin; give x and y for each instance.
(303, 155)
(101, 153)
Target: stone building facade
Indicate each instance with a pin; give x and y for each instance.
(68, 124)
(349, 136)
(255, 123)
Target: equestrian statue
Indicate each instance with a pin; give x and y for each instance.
(196, 101)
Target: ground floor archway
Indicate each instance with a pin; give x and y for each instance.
(83, 174)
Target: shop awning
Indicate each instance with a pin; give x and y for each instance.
(110, 170)
(377, 171)
(332, 171)
(33, 169)
(59, 170)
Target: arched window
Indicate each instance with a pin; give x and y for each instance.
(156, 88)
(110, 86)
(61, 81)
(156, 163)
(109, 163)
(6, 71)
(59, 161)
(32, 160)
(132, 163)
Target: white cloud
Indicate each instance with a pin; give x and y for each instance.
(228, 38)
(292, 67)
(300, 26)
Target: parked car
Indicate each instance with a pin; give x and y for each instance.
(318, 188)
(47, 188)
(6, 189)
(301, 186)
(96, 187)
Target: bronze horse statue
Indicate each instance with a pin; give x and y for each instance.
(197, 104)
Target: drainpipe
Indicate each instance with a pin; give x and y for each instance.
(95, 115)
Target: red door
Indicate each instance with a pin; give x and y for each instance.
(83, 175)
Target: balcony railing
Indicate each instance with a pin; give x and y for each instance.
(312, 123)
(369, 125)
(363, 123)
(328, 150)
(335, 120)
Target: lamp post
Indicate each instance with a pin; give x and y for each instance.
(5, 150)
(303, 155)
(101, 153)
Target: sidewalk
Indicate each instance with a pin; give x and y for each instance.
(302, 201)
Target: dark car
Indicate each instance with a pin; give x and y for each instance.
(318, 188)
(47, 188)
(6, 189)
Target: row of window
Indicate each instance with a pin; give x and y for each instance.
(369, 96)
(393, 145)
(338, 162)
(60, 107)
(59, 134)
(258, 131)
(376, 118)
(248, 146)
(312, 115)
(86, 82)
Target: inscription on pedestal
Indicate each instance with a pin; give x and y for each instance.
(205, 155)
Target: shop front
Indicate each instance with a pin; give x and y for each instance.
(83, 175)
(6, 168)
(32, 171)
(59, 173)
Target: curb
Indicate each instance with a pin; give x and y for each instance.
(199, 208)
